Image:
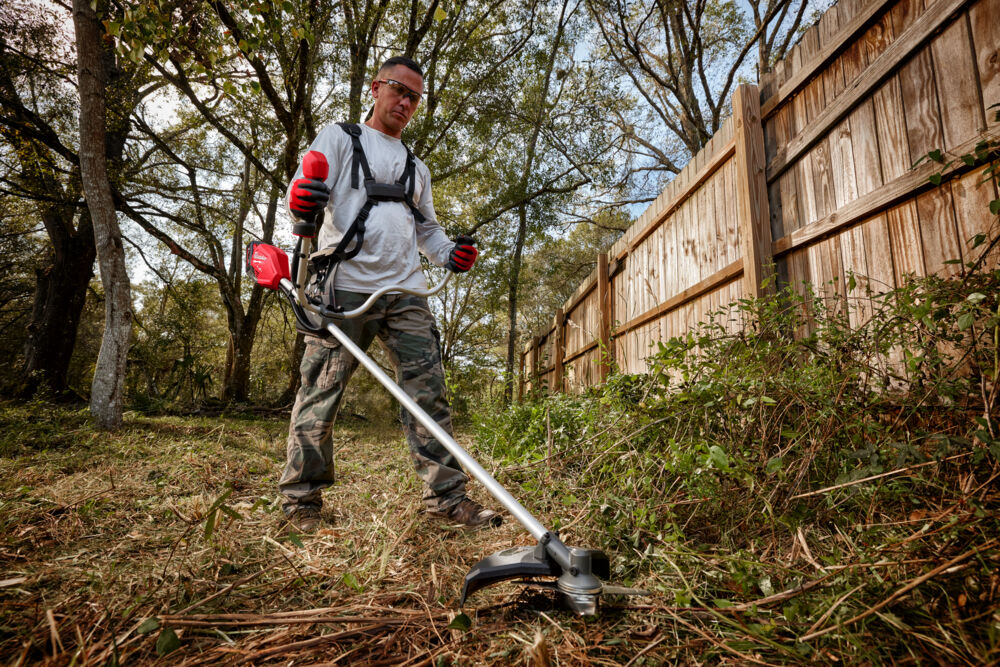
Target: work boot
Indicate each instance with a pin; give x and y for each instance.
(469, 513)
(304, 519)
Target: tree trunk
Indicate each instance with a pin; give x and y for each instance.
(294, 376)
(515, 278)
(60, 294)
(107, 389)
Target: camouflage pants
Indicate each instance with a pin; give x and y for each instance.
(405, 328)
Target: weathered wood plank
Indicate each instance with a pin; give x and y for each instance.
(904, 239)
(876, 239)
(890, 121)
(867, 166)
(755, 227)
(906, 186)
(904, 13)
(852, 26)
(972, 201)
(559, 352)
(984, 19)
(726, 275)
(923, 123)
(938, 232)
(957, 86)
(911, 40)
(685, 185)
(604, 300)
(854, 260)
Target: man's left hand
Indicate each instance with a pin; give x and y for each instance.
(463, 255)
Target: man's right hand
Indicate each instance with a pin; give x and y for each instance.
(308, 196)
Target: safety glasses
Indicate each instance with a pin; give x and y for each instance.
(402, 90)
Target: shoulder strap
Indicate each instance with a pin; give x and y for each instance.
(358, 160)
(409, 179)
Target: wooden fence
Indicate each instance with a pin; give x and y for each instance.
(812, 172)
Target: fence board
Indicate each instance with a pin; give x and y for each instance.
(937, 231)
(955, 76)
(971, 198)
(904, 13)
(904, 237)
(984, 19)
(923, 126)
(890, 124)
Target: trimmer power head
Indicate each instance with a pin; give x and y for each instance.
(578, 582)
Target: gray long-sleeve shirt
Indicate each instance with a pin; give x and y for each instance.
(393, 237)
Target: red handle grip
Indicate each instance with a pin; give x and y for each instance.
(314, 166)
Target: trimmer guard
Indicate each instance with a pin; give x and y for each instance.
(521, 562)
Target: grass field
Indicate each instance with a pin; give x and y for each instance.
(162, 542)
(105, 533)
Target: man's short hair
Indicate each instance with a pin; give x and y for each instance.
(402, 60)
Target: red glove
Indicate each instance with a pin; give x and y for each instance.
(308, 196)
(463, 255)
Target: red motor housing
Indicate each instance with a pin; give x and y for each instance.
(267, 264)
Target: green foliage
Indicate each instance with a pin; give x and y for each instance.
(707, 457)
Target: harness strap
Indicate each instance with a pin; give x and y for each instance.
(401, 190)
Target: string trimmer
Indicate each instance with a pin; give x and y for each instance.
(577, 572)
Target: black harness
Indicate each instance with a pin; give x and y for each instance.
(326, 262)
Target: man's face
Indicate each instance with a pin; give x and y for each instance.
(396, 91)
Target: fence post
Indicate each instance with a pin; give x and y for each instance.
(751, 189)
(604, 303)
(536, 363)
(522, 380)
(560, 351)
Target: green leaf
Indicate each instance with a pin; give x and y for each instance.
(774, 465)
(936, 155)
(351, 581)
(460, 622)
(976, 297)
(995, 207)
(231, 513)
(167, 642)
(148, 626)
(767, 400)
(722, 604)
(296, 540)
(440, 14)
(210, 524)
(965, 321)
(718, 457)
(851, 283)
(969, 159)
(979, 239)
(935, 179)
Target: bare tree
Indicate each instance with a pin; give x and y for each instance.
(683, 60)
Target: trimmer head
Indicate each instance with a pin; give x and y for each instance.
(578, 582)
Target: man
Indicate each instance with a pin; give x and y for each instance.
(370, 238)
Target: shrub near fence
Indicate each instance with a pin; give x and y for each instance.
(813, 173)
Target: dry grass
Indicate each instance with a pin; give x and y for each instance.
(105, 559)
(104, 532)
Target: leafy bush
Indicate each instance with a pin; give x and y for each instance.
(719, 447)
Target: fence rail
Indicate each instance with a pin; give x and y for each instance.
(813, 174)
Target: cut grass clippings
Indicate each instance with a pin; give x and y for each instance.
(106, 558)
